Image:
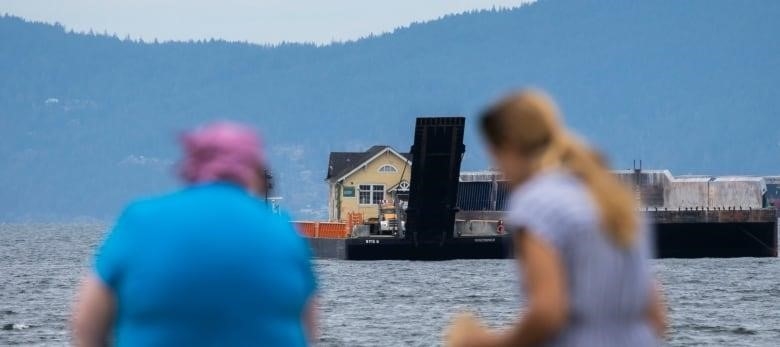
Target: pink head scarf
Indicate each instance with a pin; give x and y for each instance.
(221, 151)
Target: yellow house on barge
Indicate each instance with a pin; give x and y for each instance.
(361, 181)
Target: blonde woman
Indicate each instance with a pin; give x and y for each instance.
(581, 246)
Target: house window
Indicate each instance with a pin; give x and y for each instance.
(387, 168)
(371, 194)
(365, 195)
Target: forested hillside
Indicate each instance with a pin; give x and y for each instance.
(88, 122)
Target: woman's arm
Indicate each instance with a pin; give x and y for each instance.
(548, 307)
(93, 314)
(656, 313)
(545, 279)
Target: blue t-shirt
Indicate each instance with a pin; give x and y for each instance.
(207, 266)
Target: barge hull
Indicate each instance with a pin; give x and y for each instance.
(722, 240)
(493, 247)
(716, 234)
(678, 234)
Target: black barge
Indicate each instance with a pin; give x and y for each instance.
(437, 214)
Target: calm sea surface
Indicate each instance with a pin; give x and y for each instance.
(717, 302)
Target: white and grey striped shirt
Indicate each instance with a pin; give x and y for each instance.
(608, 287)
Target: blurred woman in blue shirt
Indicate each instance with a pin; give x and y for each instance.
(210, 265)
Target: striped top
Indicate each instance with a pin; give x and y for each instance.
(609, 287)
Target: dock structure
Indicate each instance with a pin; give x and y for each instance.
(706, 216)
(693, 216)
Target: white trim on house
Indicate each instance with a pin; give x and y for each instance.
(392, 167)
(399, 187)
(365, 163)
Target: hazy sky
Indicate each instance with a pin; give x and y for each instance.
(260, 21)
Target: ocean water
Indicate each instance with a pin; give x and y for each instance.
(715, 302)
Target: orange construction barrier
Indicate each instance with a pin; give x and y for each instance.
(353, 219)
(307, 229)
(332, 230)
(322, 229)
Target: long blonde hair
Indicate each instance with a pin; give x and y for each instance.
(528, 122)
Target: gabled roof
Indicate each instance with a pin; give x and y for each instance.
(342, 164)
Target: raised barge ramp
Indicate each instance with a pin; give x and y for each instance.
(454, 215)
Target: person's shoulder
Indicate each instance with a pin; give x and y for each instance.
(548, 188)
(150, 205)
(555, 195)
